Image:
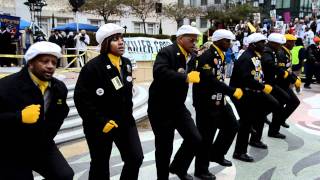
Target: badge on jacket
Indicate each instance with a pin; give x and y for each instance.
(129, 78)
(116, 82)
(59, 101)
(129, 70)
(100, 91)
(181, 70)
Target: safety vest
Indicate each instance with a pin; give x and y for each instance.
(295, 54)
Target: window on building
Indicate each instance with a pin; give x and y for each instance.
(217, 1)
(180, 3)
(203, 23)
(61, 21)
(137, 27)
(192, 20)
(95, 22)
(204, 2)
(151, 28)
(193, 3)
(283, 4)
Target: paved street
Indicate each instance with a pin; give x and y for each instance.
(297, 157)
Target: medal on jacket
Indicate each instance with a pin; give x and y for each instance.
(100, 91)
(181, 70)
(129, 68)
(129, 78)
(116, 82)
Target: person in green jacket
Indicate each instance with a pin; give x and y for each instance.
(298, 57)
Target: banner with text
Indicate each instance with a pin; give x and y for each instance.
(144, 48)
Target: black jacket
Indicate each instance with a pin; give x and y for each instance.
(169, 87)
(18, 91)
(97, 99)
(247, 72)
(211, 90)
(285, 64)
(313, 54)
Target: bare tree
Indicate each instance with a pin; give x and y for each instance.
(179, 12)
(142, 9)
(104, 8)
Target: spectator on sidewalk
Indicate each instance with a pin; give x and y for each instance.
(32, 109)
(82, 41)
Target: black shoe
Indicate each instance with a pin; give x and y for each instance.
(285, 125)
(258, 144)
(277, 135)
(205, 176)
(182, 176)
(243, 157)
(307, 87)
(222, 161)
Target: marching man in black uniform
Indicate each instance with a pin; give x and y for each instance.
(285, 62)
(212, 110)
(257, 101)
(32, 109)
(103, 97)
(166, 109)
(275, 73)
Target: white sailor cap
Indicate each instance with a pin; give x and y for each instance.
(256, 37)
(277, 38)
(187, 29)
(222, 34)
(42, 47)
(107, 30)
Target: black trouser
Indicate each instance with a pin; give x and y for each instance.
(309, 71)
(208, 120)
(49, 163)
(164, 123)
(100, 146)
(280, 115)
(292, 105)
(252, 108)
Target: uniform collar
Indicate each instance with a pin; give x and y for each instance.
(184, 52)
(220, 52)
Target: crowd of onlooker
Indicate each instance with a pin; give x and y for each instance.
(11, 44)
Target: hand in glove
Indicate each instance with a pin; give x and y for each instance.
(267, 89)
(193, 77)
(110, 125)
(238, 93)
(297, 83)
(30, 114)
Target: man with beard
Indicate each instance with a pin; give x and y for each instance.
(32, 109)
(212, 110)
(257, 101)
(166, 109)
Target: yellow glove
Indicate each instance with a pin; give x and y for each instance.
(267, 89)
(110, 125)
(193, 77)
(297, 83)
(30, 114)
(286, 74)
(238, 93)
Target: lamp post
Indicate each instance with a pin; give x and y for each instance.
(35, 8)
